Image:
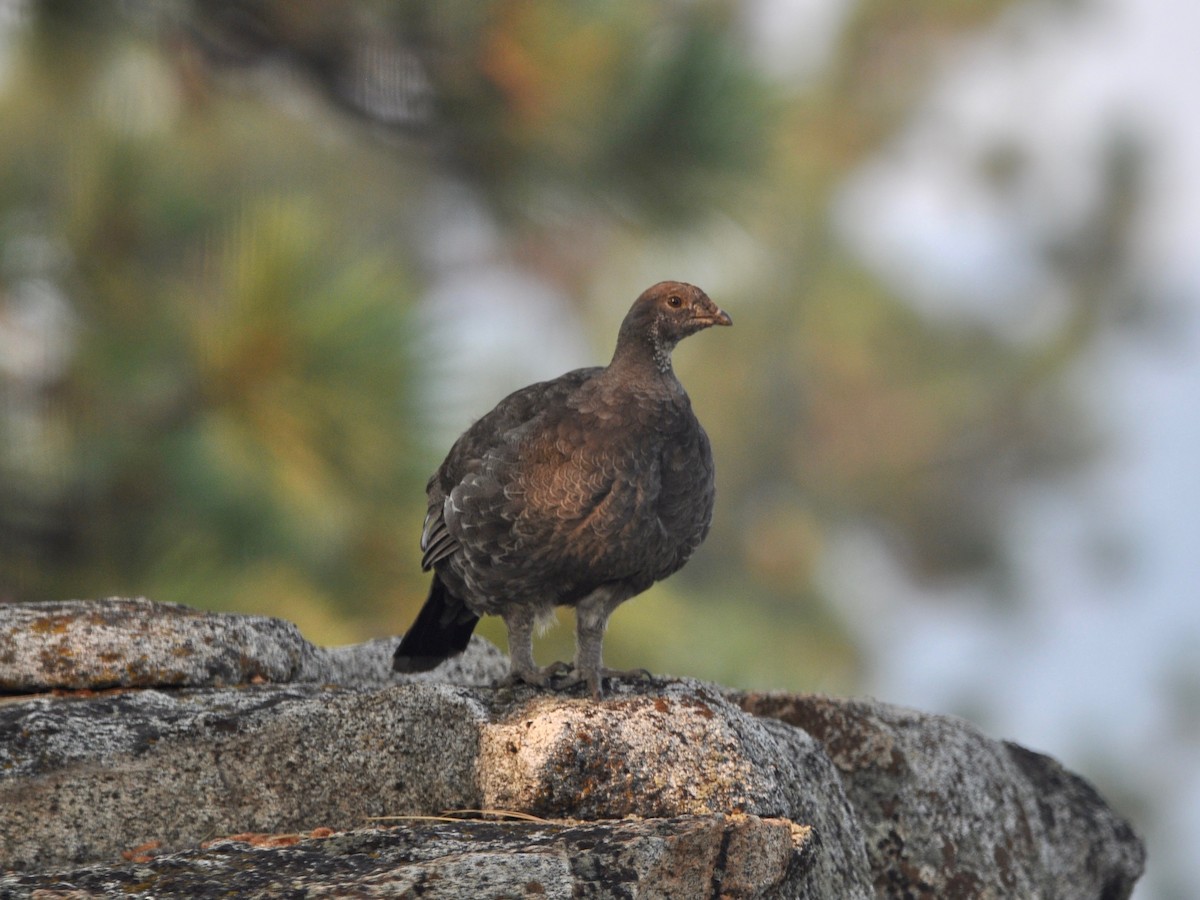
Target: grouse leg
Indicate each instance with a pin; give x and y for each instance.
(591, 620)
(520, 621)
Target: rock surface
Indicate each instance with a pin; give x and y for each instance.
(680, 748)
(948, 812)
(138, 643)
(684, 858)
(84, 779)
(217, 725)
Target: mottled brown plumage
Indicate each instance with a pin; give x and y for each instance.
(581, 491)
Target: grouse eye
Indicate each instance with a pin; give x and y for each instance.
(674, 301)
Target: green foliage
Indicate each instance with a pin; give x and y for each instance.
(234, 424)
(633, 109)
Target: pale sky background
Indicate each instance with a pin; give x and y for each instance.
(1100, 663)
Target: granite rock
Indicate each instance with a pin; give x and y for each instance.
(949, 812)
(138, 643)
(147, 730)
(685, 858)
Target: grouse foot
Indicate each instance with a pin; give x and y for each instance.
(595, 680)
(538, 676)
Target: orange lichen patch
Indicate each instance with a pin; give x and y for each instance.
(256, 839)
(51, 624)
(142, 853)
(801, 834)
(699, 706)
(280, 840)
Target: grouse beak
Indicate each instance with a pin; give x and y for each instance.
(715, 316)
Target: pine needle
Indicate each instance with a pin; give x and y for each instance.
(460, 815)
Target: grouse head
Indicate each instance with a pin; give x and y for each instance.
(664, 315)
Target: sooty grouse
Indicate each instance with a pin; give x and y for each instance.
(581, 491)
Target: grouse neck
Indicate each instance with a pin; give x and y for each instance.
(645, 362)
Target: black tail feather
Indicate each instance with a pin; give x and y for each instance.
(442, 629)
